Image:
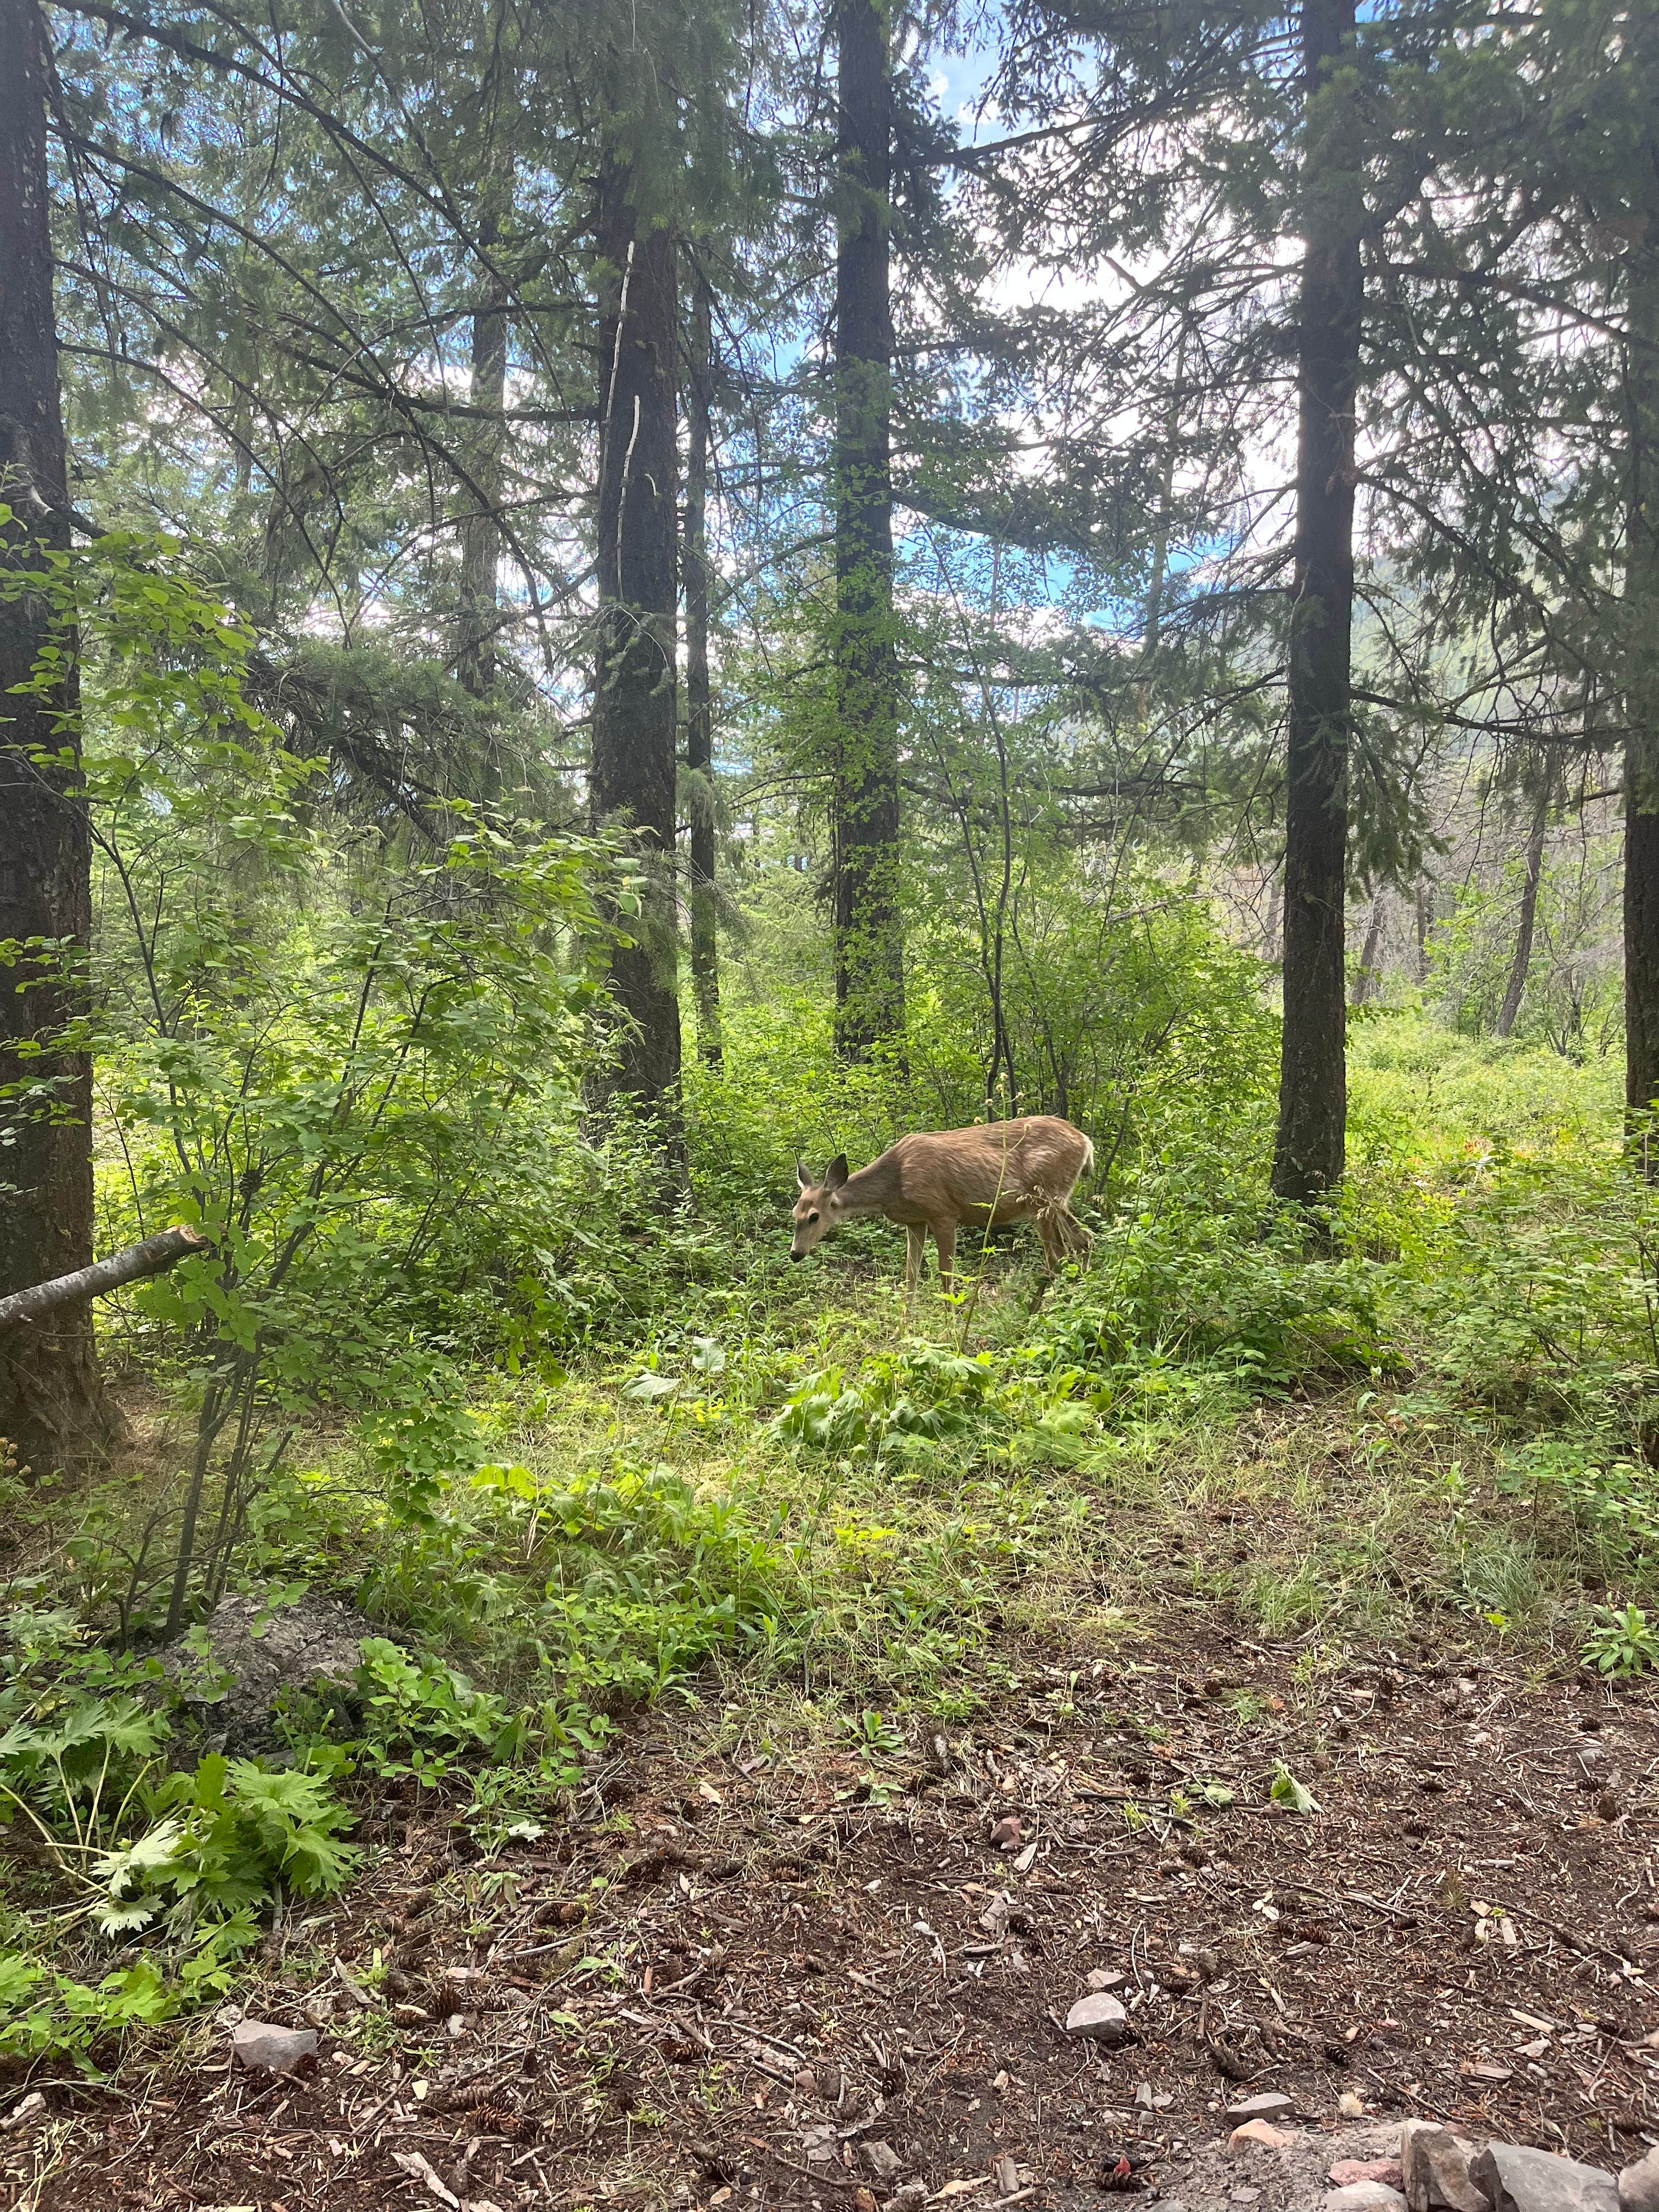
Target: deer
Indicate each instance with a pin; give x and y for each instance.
(993, 1173)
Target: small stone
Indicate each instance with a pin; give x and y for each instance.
(1099, 2016)
(821, 2143)
(1639, 2185)
(1269, 2105)
(1106, 1977)
(1007, 1832)
(1242, 2196)
(805, 2083)
(1347, 2171)
(864, 2200)
(1434, 2166)
(1365, 2197)
(1007, 2175)
(1256, 2135)
(1519, 2179)
(260, 2045)
(1608, 1807)
(881, 2161)
(1167, 2204)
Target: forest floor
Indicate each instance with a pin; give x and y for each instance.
(751, 1970)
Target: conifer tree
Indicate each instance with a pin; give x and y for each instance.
(869, 942)
(52, 1405)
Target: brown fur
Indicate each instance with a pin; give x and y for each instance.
(994, 1173)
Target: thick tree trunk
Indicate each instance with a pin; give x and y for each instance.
(634, 759)
(1313, 1077)
(699, 697)
(869, 929)
(1642, 700)
(53, 1405)
(1522, 964)
(480, 531)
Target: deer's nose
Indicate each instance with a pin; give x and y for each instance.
(796, 1255)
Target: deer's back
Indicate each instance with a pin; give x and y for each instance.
(1000, 1165)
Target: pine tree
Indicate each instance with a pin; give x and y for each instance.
(1307, 1154)
(53, 1405)
(633, 773)
(699, 701)
(869, 942)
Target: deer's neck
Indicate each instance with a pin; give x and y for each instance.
(872, 1189)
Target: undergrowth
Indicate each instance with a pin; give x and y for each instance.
(793, 1490)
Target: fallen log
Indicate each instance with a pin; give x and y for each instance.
(165, 1250)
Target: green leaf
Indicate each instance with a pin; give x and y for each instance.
(1288, 1791)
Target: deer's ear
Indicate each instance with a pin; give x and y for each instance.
(802, 1177)
(836, 1173)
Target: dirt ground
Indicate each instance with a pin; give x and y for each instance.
(813, 1979)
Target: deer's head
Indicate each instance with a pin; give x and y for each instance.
(818, 1210)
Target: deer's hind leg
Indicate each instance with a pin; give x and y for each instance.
(916, 1243)
(944, 1240)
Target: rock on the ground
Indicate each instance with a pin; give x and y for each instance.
(1267, 2105)
(1365, 2197)
(313, 1645)
(1519, 2179)
(1257, 2134)
(1099, 2016)
(261, 2045)
(1435, 2170)
(1639, 2185)
(1347, 2171)
(1106, 1977)
(881, 2161)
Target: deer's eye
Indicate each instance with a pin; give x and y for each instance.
(812, 1217)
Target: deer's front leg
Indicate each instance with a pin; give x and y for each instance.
(944, 1237)
(916, 1243)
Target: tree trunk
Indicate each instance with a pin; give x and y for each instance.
(1368, 983)
(699, 699)
(52, 1405)
(481, 532)
(869, 929)
(1313, 1076)
(1425, 904)
(1641, 699)
(1522, 961)
(634, 757)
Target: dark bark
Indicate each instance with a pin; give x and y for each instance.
(1425, 904)
(165, 1250)
(869, 929)
(480, 531)
(1642, 698)
(633, 761)
(1522, 964)
(53, 1405)
(699, 697)
(1313, 1076)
